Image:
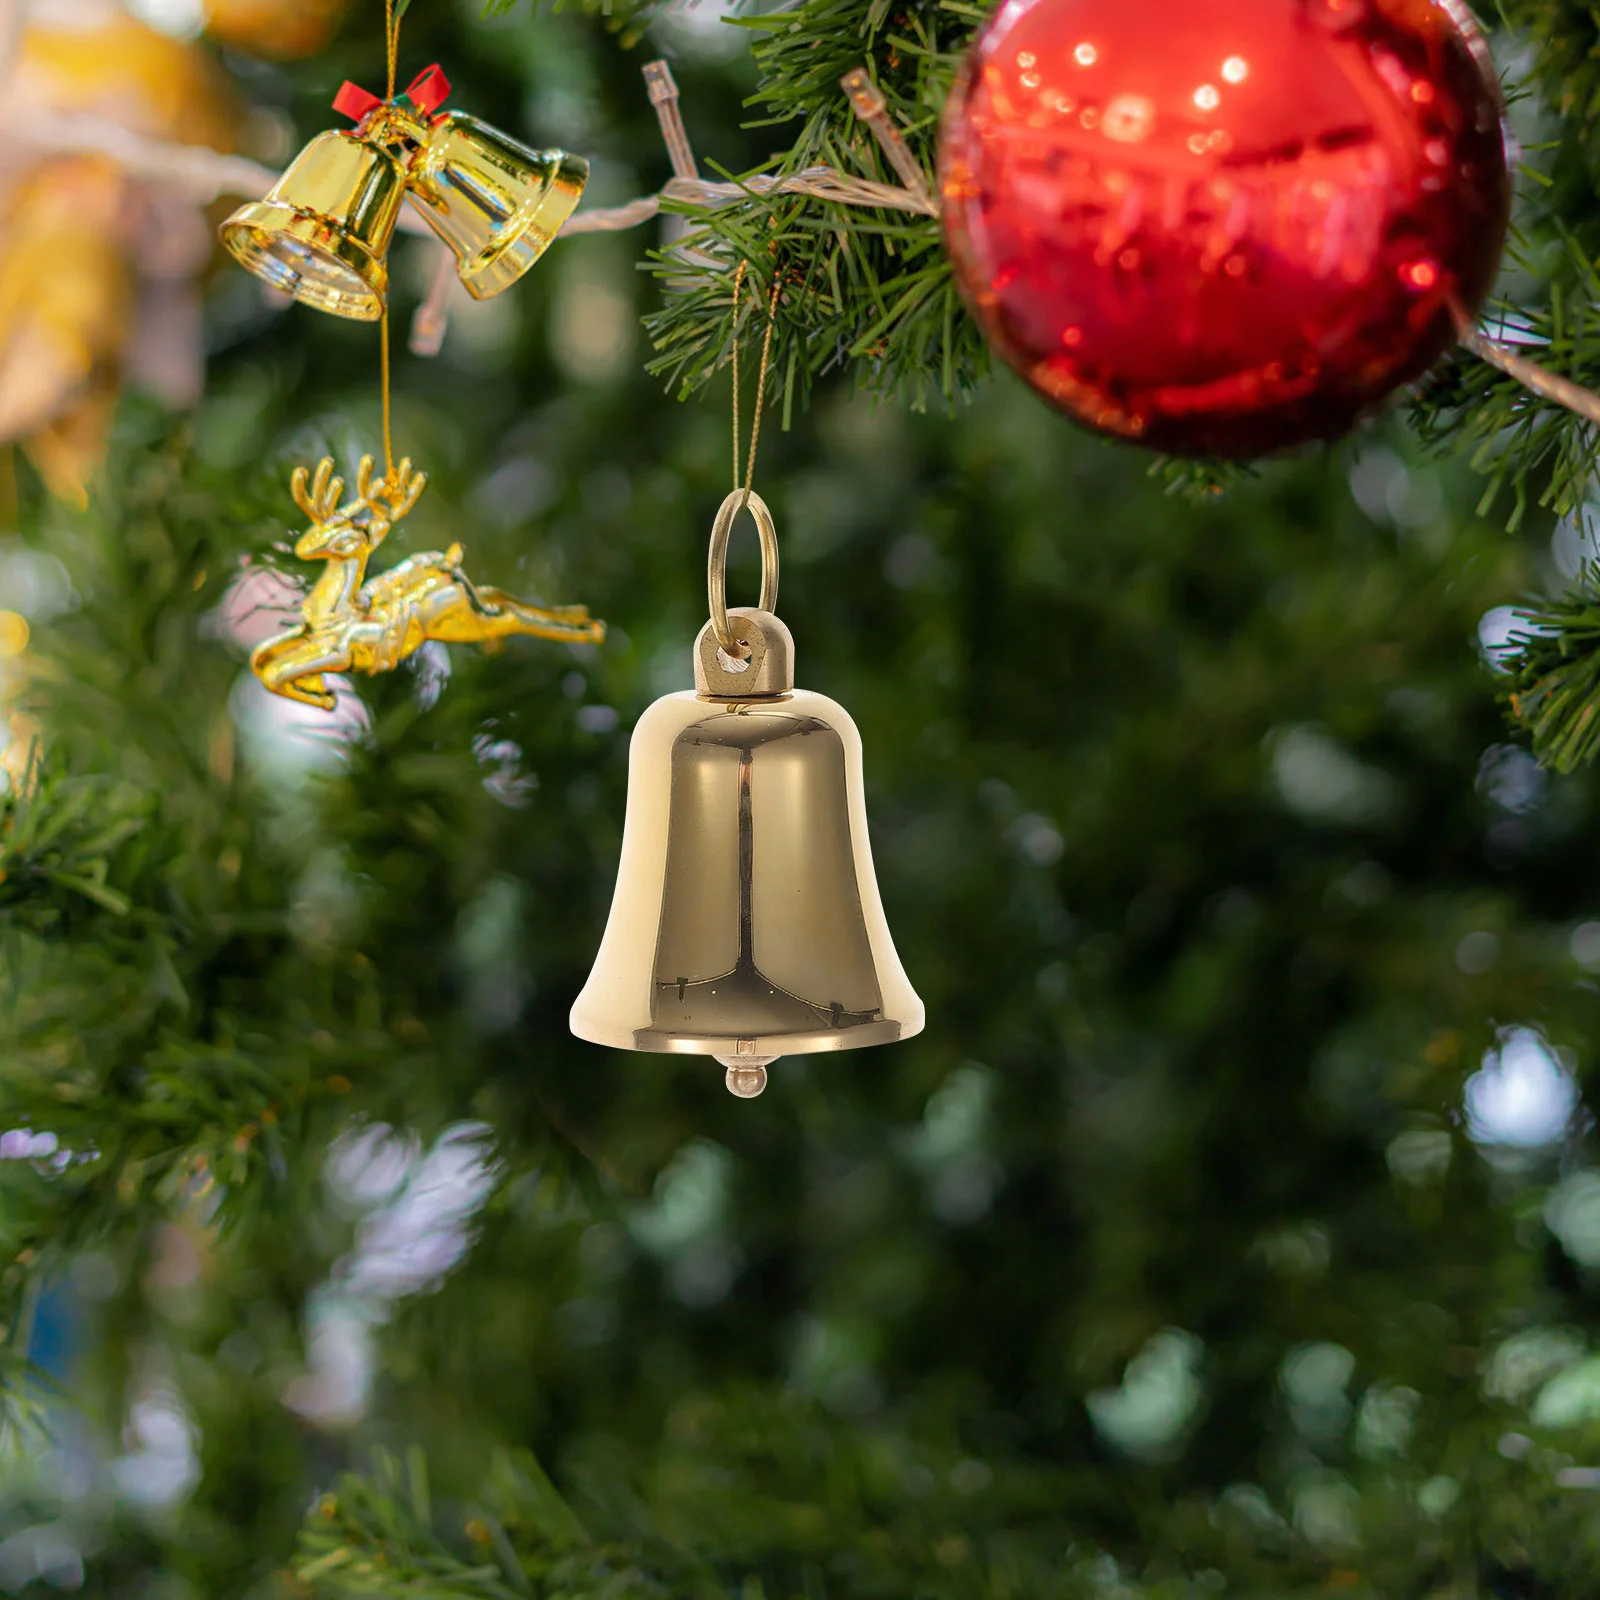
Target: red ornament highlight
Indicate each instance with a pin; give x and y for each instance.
(1221, 227)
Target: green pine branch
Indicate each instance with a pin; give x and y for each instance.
(183, 1023)
(145, 891)
(749, 1497)
(1562, 42)
(1554, 688)
(118, 1046)
(376, 1535)
(864, 295)
(1525, 445)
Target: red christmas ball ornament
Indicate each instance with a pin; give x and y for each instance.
(1219, 227)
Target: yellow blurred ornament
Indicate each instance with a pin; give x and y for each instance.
(65, 297)
(97, 60)
(90, 257)
(18, 733)
(352, 624)
(278, 30)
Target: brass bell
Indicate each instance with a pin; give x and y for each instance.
(746, 922)
(494, 202)
(322, 233)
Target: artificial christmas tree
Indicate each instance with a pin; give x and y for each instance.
(1230, 1228)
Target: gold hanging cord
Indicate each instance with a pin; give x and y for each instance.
(391, 44)
(717, 561)
(761, 378)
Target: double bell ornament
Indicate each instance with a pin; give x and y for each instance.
(323, 232)
(746, 923)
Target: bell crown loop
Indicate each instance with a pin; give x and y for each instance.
(763, 668)
(391, 122)
(717, 565)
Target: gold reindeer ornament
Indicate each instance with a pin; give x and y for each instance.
(352, 623)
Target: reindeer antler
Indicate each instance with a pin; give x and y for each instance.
(387, 498)
(401, 490)
(320, 500)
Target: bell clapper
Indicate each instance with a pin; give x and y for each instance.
(747, 1075)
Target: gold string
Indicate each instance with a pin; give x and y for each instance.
(761, 380)
(391, 41)
(388, 430)
(391, 45)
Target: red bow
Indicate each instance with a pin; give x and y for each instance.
(428, 91)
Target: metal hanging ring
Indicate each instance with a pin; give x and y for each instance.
(717, 563)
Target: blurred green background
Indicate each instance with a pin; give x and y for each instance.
(1231, 1230)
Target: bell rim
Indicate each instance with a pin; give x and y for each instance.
(247, 235)
(651, 1041)
(546, 214)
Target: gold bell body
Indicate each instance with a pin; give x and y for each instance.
(322, 233)
(494, 202)
(746, 923)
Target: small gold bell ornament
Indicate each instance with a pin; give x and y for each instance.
(323, 232)
(746, 923)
